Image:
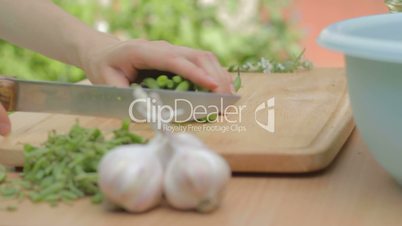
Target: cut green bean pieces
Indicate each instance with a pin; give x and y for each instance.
(9, 192)
(212, 117)
(150, 83)
(170, 84)
(237, 82)
(97, 198)
(162, 81)
(209, 118)
(11, 208)
(174, 83)
(183, 86)
(55, 188)
(3, 173)
(177, 79)
(68, 195)
(200, 88)
(34, 197)
(65, 167)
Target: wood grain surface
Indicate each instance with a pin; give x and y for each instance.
(313, 119)
(354, 191)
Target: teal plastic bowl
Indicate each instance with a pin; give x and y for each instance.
(373, 53)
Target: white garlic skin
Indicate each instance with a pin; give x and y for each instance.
(131, 177)
(185, 139)
(195, 178)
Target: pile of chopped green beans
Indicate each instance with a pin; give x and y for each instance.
(64, 168)
(178, 83)
(175, 83)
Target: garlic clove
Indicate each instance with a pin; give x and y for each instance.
(131, 177)
(164, 150)
(195, 179)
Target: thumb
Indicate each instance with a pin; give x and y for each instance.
(5, 124)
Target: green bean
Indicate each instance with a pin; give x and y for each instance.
(237, 81)
(20, 183)
(87, 177)
(97, 198)
(183, 86)
(55, 188)
(9, 192)
(21, 196)
(46, 182)
(76, 191)
(177, 79)
(212, 117)
(150, 83)
(161, 80)
(39, 174)
(68, 195)
(11, 208)
(209, 118)
(52, 199)
(200, 88)
(3, 173)
(170, 84)
(88, 187)
(34, 197)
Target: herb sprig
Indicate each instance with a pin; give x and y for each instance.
(266, 66)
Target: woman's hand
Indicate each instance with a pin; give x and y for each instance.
(47, 29)
(43, 27)
(118, 62)
(5, 125)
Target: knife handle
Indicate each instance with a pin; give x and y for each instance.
(8, 93)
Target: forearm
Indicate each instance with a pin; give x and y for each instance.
(43, 27)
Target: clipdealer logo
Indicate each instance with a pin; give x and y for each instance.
(269, 108)
(184, 111)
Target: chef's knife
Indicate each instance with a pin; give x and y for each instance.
(102, 100)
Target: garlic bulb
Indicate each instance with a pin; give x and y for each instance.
(180, 165)
(131, 177)
(195, 176)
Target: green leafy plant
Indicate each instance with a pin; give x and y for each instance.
(266, 33)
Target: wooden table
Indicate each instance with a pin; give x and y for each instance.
(354, 191)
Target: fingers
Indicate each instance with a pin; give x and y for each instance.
(200, 67)
(193, 73)
(225, 78)
(212, 67)
(210, 64)
(163, 56)
(5, 124)
(123, 60)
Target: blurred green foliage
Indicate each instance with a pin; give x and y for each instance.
(25, 64)
(185, 22)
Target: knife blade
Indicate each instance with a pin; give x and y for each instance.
(102, 100)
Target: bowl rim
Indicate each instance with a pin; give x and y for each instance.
(337, 37)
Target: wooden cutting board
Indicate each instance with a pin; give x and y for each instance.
(311, 114)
